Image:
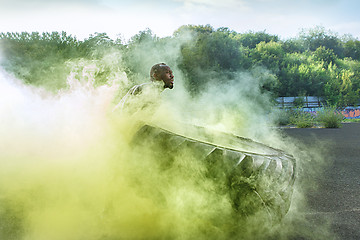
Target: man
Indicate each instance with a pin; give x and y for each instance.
(162, 72)
(161, 77)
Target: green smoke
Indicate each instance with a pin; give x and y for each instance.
(68, 169)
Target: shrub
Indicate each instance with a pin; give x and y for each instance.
(299, 102)
(330, 117)
(302, 119)
(282, 117)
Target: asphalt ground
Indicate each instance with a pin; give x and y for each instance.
(337, 198)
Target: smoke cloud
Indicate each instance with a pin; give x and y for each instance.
(68, 169)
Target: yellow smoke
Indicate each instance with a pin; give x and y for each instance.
(68, 169)
(68, 172)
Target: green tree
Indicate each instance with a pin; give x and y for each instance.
(251, 39)
(294, 46)
(268, 54)
(133, 55)
(209, 53)
(97, 45)
(300, 75)
(325, 55)
(316, 37)
(352, 49)
(39, 58)
(349, 95)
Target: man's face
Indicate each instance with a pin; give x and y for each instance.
(166, 75)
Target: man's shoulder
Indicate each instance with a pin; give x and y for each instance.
(139, 88)
(149, 87)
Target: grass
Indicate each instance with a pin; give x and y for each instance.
(282, 117)
(354, 120)
(330, 117)
(302, 119)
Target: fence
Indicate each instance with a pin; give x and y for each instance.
(309, 102)
(314, 104)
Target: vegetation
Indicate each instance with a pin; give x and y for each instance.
(317, 62)
(302, 119)
(329, 117)
(299, 102)
(355, 120)
(282, 117)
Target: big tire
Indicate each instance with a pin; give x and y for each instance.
(256, 177)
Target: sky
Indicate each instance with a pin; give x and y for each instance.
(125, 18)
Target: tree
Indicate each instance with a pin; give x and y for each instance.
(294, 46)
(209, 52)
(268, 55)
(300, 75)
(325, 55)
(318, 36)
(251, 39)
(352, 49)
(349, 95)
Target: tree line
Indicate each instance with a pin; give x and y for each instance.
(318, 62)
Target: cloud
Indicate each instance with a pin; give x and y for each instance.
(83, 17)
(19, 5)
(347, 27)
(17, 2)
(212, 5)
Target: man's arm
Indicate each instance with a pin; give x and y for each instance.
(133, 91)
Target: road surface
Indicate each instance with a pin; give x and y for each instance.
(337, 199)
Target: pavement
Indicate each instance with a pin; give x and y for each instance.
(336, 201)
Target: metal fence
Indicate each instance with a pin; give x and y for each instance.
(309, 102)
(314, 104)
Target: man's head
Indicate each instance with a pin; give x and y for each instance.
(162, 72)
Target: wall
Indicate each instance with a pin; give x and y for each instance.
(348, 112)
(351, 113)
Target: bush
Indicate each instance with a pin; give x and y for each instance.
(299, 102)
(282, 117)
(330, 117)
(302, 119)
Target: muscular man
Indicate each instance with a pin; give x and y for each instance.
(161, 77)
